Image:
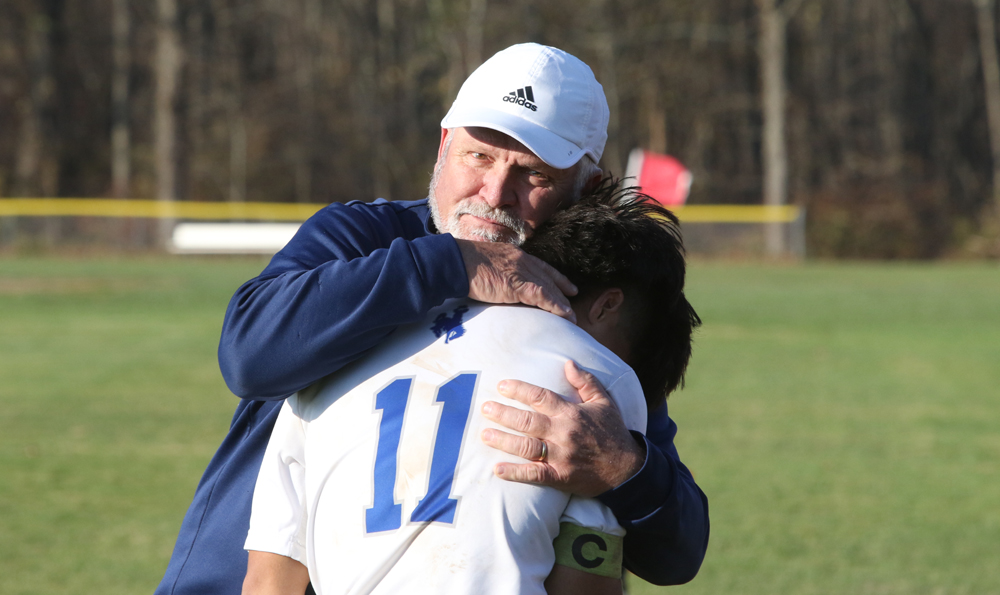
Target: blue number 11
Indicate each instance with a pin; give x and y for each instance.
(436, 505)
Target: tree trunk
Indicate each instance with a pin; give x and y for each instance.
(656, 117)
(120, 162)
(604, 45)
(474, 34)
(771, 49)
(168, 63)
(309, 47)
(991, 81)
(382, 71)
(35, 168)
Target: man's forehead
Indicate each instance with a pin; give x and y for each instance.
(495, 138)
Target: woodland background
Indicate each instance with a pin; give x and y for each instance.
(876, 115)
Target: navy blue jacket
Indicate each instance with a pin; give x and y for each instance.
(348, 278)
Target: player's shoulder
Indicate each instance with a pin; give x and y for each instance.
(533, 331)
(536, 326)
(547, 340)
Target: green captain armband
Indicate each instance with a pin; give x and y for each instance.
(589, 550)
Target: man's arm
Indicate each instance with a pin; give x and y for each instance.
(591, 452)
(664, 512)
(348, 278)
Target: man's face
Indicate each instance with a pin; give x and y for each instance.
(489, 187)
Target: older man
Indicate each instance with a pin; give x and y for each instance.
(521, 140)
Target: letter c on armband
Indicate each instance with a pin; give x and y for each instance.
(583, 540)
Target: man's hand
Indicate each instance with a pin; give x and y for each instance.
(505, 274)
(590, 450)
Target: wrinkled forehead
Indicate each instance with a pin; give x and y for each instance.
(500, 140)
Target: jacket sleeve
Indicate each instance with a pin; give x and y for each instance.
(348, 278)
(663, 510)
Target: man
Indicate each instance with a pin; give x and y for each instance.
(375, 477)
(356, 272)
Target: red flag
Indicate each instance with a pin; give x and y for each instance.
(660, 176)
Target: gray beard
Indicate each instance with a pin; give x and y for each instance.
(517, 230)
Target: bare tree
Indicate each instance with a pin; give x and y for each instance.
(120, 63)
(167, 67)
(231, 76)
(772, 50)
(985, 15)
(35, 171)
(474, 34)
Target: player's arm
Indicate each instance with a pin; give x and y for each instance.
(564, 580)
(588, 551)
(275, 540)
(588, 559)
(591, 452)
(272, 574)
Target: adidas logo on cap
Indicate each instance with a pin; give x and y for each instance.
(522, 96)
(569, 120)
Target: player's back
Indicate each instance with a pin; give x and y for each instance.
(398, 490)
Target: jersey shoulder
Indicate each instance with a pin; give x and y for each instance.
(542, 339)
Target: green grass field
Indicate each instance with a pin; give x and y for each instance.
(843, 419)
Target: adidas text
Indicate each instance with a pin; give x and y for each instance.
(523, 97)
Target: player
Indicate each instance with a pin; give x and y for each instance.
(425, 513)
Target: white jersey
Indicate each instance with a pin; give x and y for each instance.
(377, 480)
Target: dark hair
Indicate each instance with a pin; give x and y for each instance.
(616, 236)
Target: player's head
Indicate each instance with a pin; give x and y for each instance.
(522, 139)
(625, 254)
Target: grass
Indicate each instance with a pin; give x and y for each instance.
(112, 405)
(843, 420)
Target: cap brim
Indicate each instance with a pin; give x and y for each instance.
(547, 145)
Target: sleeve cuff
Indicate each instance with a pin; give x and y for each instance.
(441, 266)
(644, 492)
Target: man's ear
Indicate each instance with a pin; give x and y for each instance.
(594, 180)
(607, 307)
(444, 138)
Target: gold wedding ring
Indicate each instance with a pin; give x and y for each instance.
(545, 452)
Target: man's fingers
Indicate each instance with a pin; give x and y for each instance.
(540, 399)
(544, 287)
(504, 274)
(585, 383)
(519, 420)
(563, 283)
(549, 273)
(535, 473)
(519, 446)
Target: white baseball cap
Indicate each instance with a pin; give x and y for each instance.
(545, 98)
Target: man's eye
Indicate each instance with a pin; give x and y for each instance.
(538, 175)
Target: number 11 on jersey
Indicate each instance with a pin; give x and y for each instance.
(436, 505)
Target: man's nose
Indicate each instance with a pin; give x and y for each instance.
(498, 188)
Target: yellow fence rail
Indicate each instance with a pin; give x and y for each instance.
(98, 207)
(737, 213)
(272, 211)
